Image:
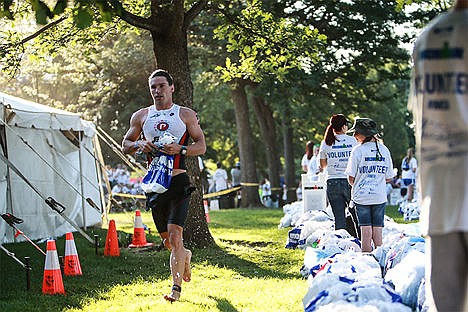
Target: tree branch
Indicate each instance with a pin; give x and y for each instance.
(240, 24)
(131, 18)
(194, 11)
(42, 30)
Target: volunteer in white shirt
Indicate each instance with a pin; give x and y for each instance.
(369, 169)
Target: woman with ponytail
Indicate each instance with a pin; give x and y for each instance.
(334, 153)
(309, 153)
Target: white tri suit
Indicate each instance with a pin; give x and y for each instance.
(170, 207)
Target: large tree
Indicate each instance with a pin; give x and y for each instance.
(357, 74)
(363, 80)
(168, 23)
(263, 46)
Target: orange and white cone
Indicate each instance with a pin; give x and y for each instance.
(112, 242)
(139, 236)
(207, 215)
(52, 282)
(72, 262)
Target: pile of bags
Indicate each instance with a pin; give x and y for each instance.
(342, 278)
(409, 210)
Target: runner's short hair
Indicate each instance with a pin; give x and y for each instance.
(162, 73)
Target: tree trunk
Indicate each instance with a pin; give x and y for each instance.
(170, 50)
(289, 172)
(249, 180)
(268, 130)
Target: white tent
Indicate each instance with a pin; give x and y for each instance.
(54, 150)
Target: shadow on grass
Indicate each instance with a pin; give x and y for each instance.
(100, 273)
(223, 304)
(222, 257)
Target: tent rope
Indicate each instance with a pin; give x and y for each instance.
(45, 161)
(49, 200)
(70, 163)
(116, 151)
(98, 161)
(116, 148)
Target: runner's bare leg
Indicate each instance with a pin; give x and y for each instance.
(180, 260)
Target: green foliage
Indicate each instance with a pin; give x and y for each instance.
(264, 45)
(10, 54)
(44, 13)
(5, 9)
(362, 71)
(41, 11)
(105, 11)
(248, 262)
(83, 18)
(60, 7)
(212, 97)
(440, 4)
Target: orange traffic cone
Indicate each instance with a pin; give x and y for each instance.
(52, 282)
(139, 236)
(72, 262)
(112, 242)
(207, 215)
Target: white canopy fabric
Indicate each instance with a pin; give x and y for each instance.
(34, 141)
(27, 114)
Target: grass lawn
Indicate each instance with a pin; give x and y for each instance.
(392, 212)
(248, 270)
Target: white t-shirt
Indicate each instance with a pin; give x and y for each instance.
(313, 168)
(220, 179)
(439, 102)
(409, 173)
(116, 189)
(337, 155)
(305, 161)
(266, 189)
(235, 176)
(369, 173)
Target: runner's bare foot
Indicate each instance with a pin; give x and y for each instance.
(174, 295)
(187, 271)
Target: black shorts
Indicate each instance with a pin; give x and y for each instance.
(171, 207)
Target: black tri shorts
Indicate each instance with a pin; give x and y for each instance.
(171, 207)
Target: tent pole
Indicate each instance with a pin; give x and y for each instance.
(4, 151)
(116, 148)
(73, 187)
(70, 163)
(50, 201)
(81, 180)
(103, 176)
